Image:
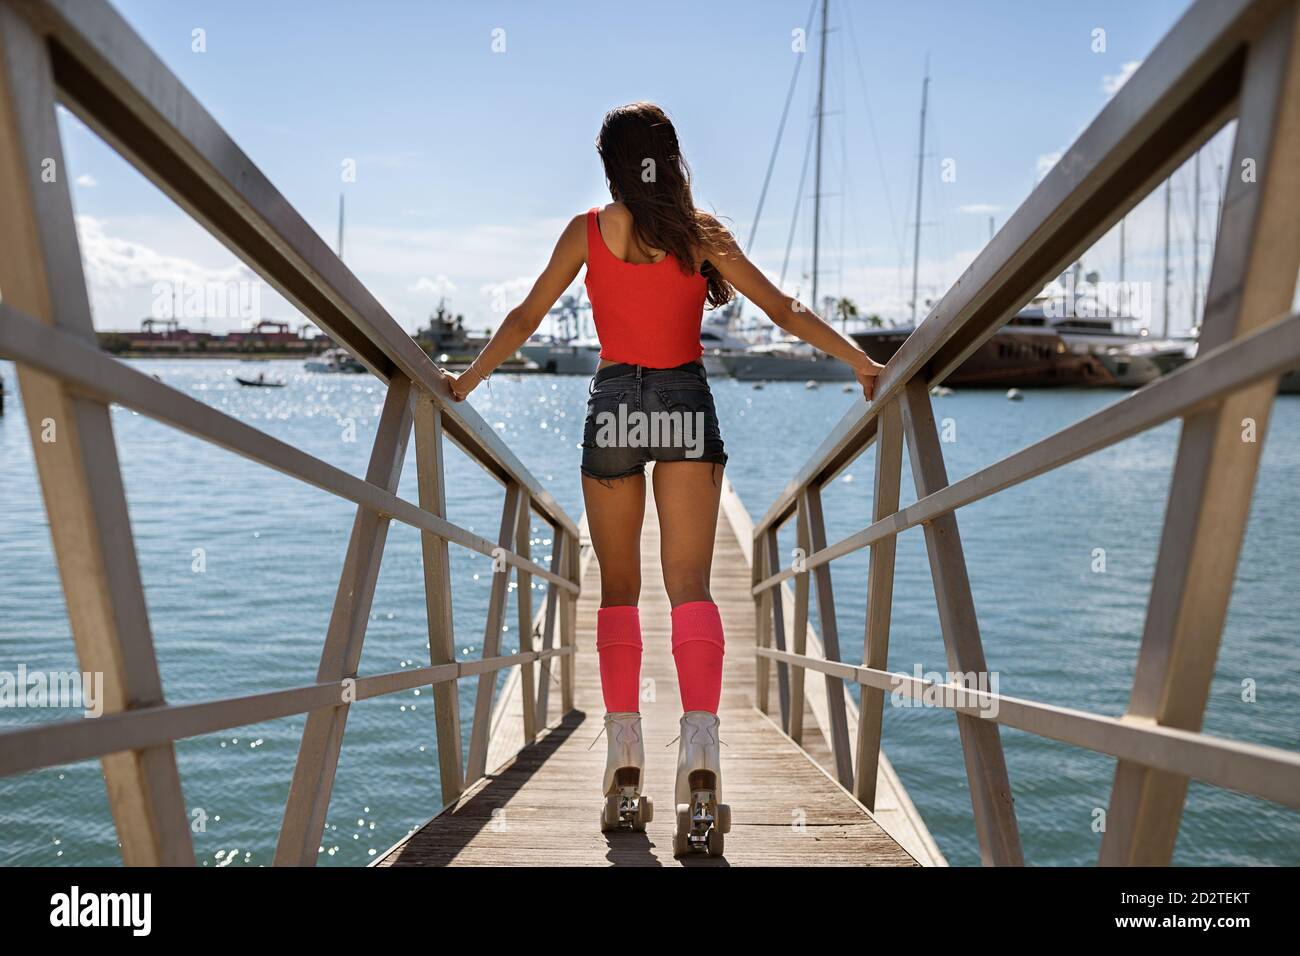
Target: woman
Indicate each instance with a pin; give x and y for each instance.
(653, 260)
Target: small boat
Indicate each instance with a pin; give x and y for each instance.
(260, 382)
(784, 361)
(563, 356)
(334, 361)
(1138, 364)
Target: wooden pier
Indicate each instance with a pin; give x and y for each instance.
(803, 769)
(541, 805)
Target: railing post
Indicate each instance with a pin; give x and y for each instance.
(799, 639)
(487, 681)
(553, 597)
(1252, 282)
(762, 624)
(986, 769)
(569, 622)
(437, 594)
(524, 603)
(835, 709)
(880, 596)
(322, 736)
(75, 452)
(777, 602)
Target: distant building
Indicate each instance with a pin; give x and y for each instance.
(165, 336)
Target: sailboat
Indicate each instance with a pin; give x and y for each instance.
(786, 358)
(565, 351)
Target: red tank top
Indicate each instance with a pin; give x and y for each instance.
(646, 314)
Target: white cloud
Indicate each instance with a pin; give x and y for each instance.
(126, 277)
(111, 262)
(985, 208)
(87, 180)
(439, 285)
(1111, 83)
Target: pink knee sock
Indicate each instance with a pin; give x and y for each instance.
(618, 644)
(697, 649)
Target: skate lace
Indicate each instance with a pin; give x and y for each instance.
(694, 731)
(621, 729)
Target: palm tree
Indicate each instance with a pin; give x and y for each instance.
(846, 309)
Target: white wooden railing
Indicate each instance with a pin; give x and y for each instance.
(82, 54)
(1223, 59)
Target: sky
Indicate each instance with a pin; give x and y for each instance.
(461, 137)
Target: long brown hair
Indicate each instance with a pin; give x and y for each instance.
(647, 173)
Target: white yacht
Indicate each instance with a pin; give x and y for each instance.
(334, 361)
(562, 356)
(784, 361)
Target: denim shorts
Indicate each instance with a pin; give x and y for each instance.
(637, 415)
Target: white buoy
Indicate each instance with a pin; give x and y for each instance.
(941, 391)
(1014, 395)
(810, 384)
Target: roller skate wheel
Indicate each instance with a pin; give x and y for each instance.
(724, 817)
(681, 836)
(715, 842)
(609, 815)
(645, 812)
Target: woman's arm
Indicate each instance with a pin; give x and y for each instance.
(791, 315)
(522, 321)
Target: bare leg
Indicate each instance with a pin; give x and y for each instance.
(615, 510)
(687, 495)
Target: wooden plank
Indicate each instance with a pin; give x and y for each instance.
(778, 630)
(476, 765)
(762, 630)
(432, 482)
(895, 812)
(541, 807)
(569, 624)
(524, 603)
(548, 629)
(115, 84)
(75, 452)
(839, 729)
(61, 742)
(799, 634)
(880, 599)
(1252, 282)
(986, 770)
(322, 736)
(1268, 772)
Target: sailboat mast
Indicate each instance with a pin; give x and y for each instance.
(817, 175)
(1122, 261)
(340, 226)
(1164, 331)
(1196, 241)
(920, 167)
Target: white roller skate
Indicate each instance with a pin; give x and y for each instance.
(625, 807)
(701, 818)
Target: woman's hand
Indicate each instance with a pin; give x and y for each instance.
(463, 383)
(867, 370)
